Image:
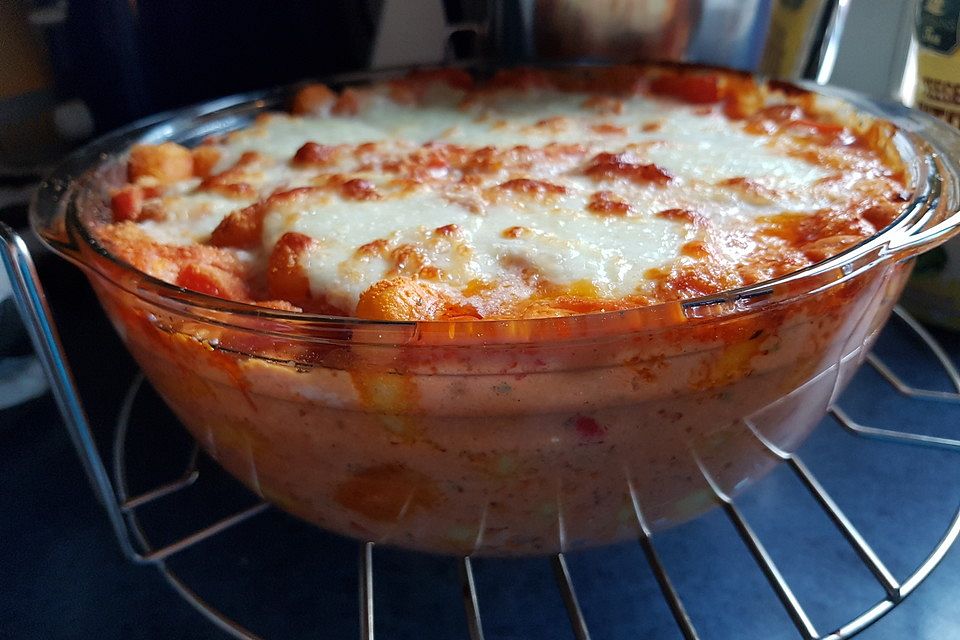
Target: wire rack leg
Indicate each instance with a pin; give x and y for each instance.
(669, 592)
(840, 520)
(953, 373)
(892, 435)
(469, 589)
(366, 591)
(888, 374)
(577, 622)
(32, 304)
(779, 584)
(846, 528)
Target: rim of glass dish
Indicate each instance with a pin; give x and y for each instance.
(60, 189)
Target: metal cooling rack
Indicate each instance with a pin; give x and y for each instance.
(122, 508)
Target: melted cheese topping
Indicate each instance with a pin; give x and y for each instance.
(502, 196)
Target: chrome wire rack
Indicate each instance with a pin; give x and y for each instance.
(123, 508)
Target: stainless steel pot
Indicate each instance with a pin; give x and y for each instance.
(790, 38)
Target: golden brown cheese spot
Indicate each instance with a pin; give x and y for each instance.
(403, 298)
(823, 248)
(242, 229)
(349, 188)
(685, 281)
(514, 232)
(376, 247)
(749, 190)
(205, 158)
(286, 275)
(359, 189)
(820, 132)
(348, 102)
(607, 105)
(365, 152)
(519, 158)
(555, 124)
(608, 129)
(683, 216)
(538, 190)
(796, 120)
(232, 181)
(799, 229)
(161, 163)
(695, 249)
(313, 99)
(610, 166)
(405, 186)
(406, 259)
(236, 190)
(447, 230)
(770, 119)
(315, 154)
(607, 203)
(429, 272)
(469, 200)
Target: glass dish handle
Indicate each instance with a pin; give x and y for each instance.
(940, 219)
(912, 244)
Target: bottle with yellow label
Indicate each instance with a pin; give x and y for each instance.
(934, 291)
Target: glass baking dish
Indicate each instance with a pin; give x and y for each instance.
(501, 437)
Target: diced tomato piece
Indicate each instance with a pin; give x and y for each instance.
(212, 281)
(127, 203)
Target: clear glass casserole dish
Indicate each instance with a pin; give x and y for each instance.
(501, 436)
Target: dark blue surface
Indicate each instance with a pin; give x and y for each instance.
(62, 576)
